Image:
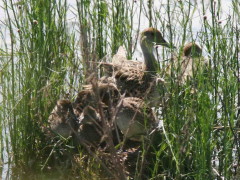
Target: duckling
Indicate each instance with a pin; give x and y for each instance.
(62, 119)
(94, 106)
(131, 115)
(104, 94)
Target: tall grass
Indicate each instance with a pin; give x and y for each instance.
(46, 59)
(35, 72)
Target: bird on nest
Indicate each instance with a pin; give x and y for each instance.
(134, 78)
(103, 102)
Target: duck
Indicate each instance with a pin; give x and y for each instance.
(62, 120)
(134, 78)
(93, 107)
(135, 119)
(98, 93)
(191, 60)
(192, 49)
(128, 117)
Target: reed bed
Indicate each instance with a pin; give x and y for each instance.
(45, 57)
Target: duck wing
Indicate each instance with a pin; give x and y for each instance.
(121, 67)
(134, 119)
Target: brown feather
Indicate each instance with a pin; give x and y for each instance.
(134, 119)
(62, 119)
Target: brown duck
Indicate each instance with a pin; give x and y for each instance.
(190, 61)
(135, 119)
(62, 119)
(104, 103)
(134, 78)
(93, 107)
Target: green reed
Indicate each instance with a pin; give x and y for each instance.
(42, 64)
(35, 72)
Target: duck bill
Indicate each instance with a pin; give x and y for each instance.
(165, 43)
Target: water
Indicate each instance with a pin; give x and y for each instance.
(6, 169)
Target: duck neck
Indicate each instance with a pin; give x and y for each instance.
(149, 59)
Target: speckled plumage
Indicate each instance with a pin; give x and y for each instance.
(62, 119)
(132, 117)
(102, 92)
(92, 106)
(134, 78)
(135, 119)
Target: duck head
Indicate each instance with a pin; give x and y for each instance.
(148, 38)
(192, 49)
(151, 36)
